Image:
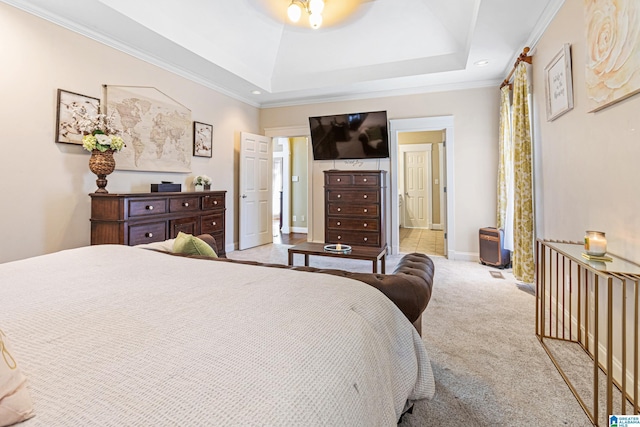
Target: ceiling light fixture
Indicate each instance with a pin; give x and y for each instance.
(312, 7)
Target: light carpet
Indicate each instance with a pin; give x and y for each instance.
(489, 367)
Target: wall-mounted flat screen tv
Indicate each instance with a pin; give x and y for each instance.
(350, 136)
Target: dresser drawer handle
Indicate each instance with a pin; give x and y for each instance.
(366, 210)
(215, 202)
(365, 196)
(339, 195)
(365, 239)
(185, 204)
(338, 223)
(339, 237)
(365, 224)
(365, 180)
(213, 223)
(338, 180)
(148, 234)
(149, 207)
(339, 209)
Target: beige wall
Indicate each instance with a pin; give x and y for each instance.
(45, 205)
(423, 137)
(586, 163)
(475, 155)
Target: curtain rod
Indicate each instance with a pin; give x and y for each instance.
(524, 56)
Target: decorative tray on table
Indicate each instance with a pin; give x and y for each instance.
(337, 248)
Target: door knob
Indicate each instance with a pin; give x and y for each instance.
(244, 196)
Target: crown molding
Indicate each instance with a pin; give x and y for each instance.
(449, 87)
(129, 50)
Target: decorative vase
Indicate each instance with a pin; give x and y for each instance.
(207, 187)
(102, 164)
(199, 187)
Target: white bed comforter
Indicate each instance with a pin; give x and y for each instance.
(121, 336)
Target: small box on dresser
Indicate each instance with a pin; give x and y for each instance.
(137, 218)
(166, 187)
(355, 207)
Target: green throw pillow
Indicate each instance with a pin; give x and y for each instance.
(188, 244)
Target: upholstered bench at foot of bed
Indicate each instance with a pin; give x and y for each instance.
(409, 286)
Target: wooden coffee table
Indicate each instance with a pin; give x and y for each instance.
(365, 253)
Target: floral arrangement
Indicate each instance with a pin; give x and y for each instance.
(202, 180)
(99, 131)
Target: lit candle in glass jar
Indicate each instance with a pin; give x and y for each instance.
(338, 247)
(595, 243)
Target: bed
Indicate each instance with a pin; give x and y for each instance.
(117, 335)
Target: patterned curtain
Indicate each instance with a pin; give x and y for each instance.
(505, 170)
(522, 260)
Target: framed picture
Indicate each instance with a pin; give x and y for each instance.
(558, 83)
(147, 118)
(66, 124)
(202, 139)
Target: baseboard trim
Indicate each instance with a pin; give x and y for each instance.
(464, 256)
(299, 230)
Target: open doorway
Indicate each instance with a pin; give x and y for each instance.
(277, 201)
(289, 195)
(422, 200)
(420, 178)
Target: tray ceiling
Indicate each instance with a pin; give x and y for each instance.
(364, 48)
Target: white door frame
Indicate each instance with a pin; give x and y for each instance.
(290, 132)
(415, 125)
(405, 148)
(441, 181)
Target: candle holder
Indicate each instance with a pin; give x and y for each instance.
(338, 248)
(595, 243)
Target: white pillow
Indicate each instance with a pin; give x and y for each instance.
(15, 402)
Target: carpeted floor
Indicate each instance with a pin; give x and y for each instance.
(479, 331)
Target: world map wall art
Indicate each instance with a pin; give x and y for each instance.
(156, 129)
(613, 51)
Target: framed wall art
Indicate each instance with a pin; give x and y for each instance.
(558, 84)
(66, 123)
(202, 139)
(613, 51)
(156, 129)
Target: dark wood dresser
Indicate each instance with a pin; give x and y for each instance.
(355, 207)
(136, 218)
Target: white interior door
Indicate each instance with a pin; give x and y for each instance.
(417, 185)
(255, 190)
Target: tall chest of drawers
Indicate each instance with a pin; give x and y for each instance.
(355, 207)
(137, 218)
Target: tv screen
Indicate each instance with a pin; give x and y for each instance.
(350, 136)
